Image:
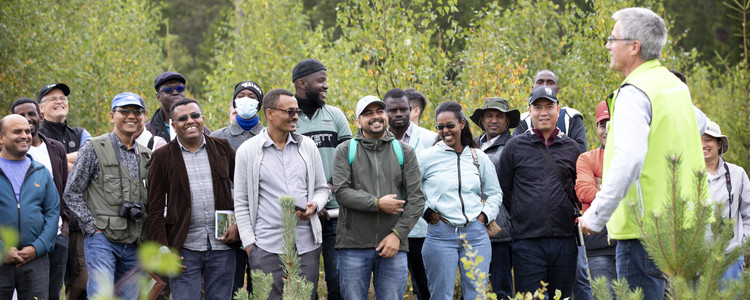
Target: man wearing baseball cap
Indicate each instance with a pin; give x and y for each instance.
(496, 118)
(53, 107)
(328, 127)
(537, 174)
(107, 191)
(600, 250)
(170, 87)
(377, 183)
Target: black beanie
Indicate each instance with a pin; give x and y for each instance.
(306, 67)
(248, 85)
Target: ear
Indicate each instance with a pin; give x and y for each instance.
(635, 48)
(111, 117)
(356, 122)
(463, 123)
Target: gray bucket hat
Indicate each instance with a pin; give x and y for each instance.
(500, 104)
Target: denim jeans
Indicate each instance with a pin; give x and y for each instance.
(552, 260)
(107, 263)
(582, 287)
(603, 266)
(735, 271)
(329, 259)
(442, 252)
(634, 265)
(58, 260)
(389, 274)
(242, 267)
(215, 268)
(501, 277)
(416, 268)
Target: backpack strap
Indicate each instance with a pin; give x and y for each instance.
(352, 150)
(399, 152)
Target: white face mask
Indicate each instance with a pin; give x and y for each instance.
(247, 107)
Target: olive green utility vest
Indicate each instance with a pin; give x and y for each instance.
(674, 131)
(104, 198)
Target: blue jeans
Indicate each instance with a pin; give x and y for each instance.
(552, 260)
(389, 274)
(329, 259)
(634, 265)
(500, 270)
(734, 272)
(58, 260)
(416, 268)
(582, 287)
(603, 266)
(442, 252)
(216, 268)
(107, 262)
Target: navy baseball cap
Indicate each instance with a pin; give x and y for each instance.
(167, 76)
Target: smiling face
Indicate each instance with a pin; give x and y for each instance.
(29, 111)
(601, 131)
(126, 121)
(372, 121)
(544, 114)
(450, 136)
(398, 112)
(15, 137)
(53, 107)
(316, 85)
(711, 147)
(188, 123)
(495, 122)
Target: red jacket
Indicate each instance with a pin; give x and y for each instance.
(588, 167)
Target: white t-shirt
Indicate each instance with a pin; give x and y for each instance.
(41, 155)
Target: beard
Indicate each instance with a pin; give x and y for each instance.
(314, 96)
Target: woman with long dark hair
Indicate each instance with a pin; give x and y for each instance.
(455, 178)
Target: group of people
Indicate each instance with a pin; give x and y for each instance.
(392, 200)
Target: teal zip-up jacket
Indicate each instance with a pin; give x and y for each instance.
(39, 209)
(451, 184)
(374, 173)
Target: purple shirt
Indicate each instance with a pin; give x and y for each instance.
(15, 170)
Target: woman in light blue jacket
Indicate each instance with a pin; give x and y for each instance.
(454, 176)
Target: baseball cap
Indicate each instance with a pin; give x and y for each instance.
(714, 130)
(124, 99)
(544, 92)
(366, 101)
(602, 111)
(48, 88)
(167, 76)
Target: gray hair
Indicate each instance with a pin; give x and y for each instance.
(644, 25)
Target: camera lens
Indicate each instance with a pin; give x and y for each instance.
(136, 214)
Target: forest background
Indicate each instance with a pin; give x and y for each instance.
(447, 49)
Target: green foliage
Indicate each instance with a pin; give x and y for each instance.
(262, 284)
(99, 48)
(151, 259)
(263, 41)
(8, 239)
(470, 264)
(295, 286)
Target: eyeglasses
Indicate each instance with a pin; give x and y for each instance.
(53, 99)
(194, 116)
(126, 111)
(290, 111)
(169, 90)
(612, 39)
(441, 126)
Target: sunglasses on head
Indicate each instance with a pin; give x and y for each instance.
(126, 111)
(194, 116)
(441, 126)
(169, 90)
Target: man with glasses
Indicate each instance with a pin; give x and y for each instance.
(275, 163)
(327, 126)
(193, 173)
(651, 118)
(170, 87)
(107, 191)
(51, 154)
(53, 106)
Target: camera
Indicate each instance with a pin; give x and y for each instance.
(132, 211)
